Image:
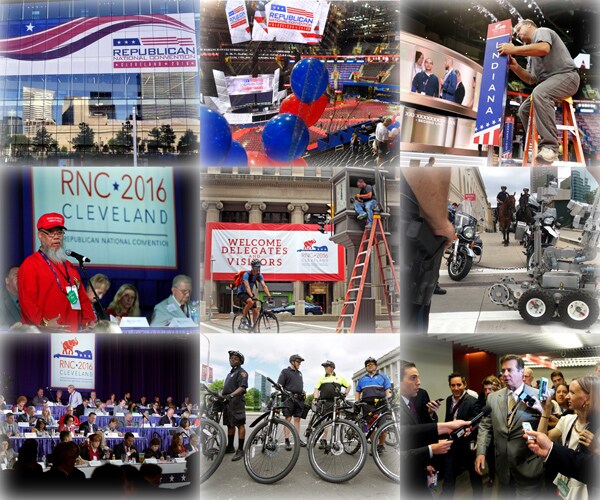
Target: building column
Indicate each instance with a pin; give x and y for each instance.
(298, 210)
(256, 210)
(213, 213)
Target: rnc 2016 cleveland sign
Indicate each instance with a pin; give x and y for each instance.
(92, 45)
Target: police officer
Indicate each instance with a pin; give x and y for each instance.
(291, 380)
(234, 414)
(328, 387)
(371, 389)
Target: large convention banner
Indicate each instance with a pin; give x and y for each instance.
(116, 216)
(92, 45)
(290, 21)
(246, 84)
(73, 360)
(237, 19)
(492, 96)
(288, 252)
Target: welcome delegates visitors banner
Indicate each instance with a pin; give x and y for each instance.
(118, 217)
(288, 252)
(73, 360)
(237, 19)
(93, 45)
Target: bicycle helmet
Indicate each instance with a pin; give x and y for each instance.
(328, 363)
(238, 354)
(255, 263)
(296, 357)
(370, 360)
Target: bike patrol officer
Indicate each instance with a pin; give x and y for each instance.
(291, 380)
(234, 414)
(371, 389)
(328, 387)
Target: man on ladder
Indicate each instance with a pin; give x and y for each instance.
(365, 202)
(551, 67)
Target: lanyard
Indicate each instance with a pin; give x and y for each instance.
(568, 437)
(66, 275)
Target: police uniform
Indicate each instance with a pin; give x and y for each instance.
(291, 380)
(234, 413)
(372, 391)
(329, 386)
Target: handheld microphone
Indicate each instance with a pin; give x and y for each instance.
(78, 256)
(460, 432)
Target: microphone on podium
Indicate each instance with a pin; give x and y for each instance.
(78, 256)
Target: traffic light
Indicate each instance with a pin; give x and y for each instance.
(321, 222)
(231, 286)
(329, 212)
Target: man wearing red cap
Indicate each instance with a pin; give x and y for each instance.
(51, 294)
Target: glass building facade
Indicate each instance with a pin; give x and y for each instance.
(75, 88)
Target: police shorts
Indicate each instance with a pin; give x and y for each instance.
(371, 409)
(293, 407)
(243, 297)
(324, 406)
(234, 413)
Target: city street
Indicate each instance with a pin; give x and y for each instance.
(466, 308)
(306, 325)
(232, 481)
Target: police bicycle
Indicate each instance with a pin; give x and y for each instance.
(266, 322)
(265, 457)
(213, 440)
(384, 421)
(337, 449)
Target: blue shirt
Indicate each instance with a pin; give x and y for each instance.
(373, 386)
(427, 84)
(449, 86)
(251, 279)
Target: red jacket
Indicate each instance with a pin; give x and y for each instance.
(39, 294)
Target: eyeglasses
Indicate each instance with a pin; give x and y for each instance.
(184, 291)
(55, 232)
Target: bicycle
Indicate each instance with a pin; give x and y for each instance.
(333, 444)
(213, 440)
(386, 458)
(265, 457)
(266, 322)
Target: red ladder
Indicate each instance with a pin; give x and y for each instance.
(359, 272)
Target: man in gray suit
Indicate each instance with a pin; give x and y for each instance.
(10, 312)
(176, 305)
(519, 471)
(9, 426)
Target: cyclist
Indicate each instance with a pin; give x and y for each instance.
(245, 290)
(234, 414)
(291, 380)
(371, 388)
(328, 386)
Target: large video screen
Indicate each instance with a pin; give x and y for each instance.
(247, 84)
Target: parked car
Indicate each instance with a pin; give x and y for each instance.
(308, 309)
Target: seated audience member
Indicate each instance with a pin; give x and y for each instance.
(125, 303)
(126, 448)
(69, 411)
(153, 450)
(101, 408)
(151, 474)
(48, 418)
(89, 427)
(63, 474)
(65, 437)
(57, 399)
(176, 305)
(155, 409)
(2, 403)
(129, 421)
(40, 427)
(39, 399)
(120, 408)
(127, 398)
(90, 448)
(7, 454)
(67, 425)
(101, 284)
(92, 400)
(193, 446)
(27, 473)
(112, 401)
(132, 407)
(176, 448)
(157, 400)
(29, 416)
(169, 403)
(103, 445)
(113, 426)
(143, 402)
(9, 427)
(186, 402)
(184, 427)
(168, 419)
(19, 407)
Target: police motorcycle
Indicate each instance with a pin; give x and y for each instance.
(466, 247)
(549, 235)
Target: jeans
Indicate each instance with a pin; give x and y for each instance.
(366, 207)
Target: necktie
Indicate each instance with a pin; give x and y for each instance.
(183, 309)
(511, 407)
(413, 410)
